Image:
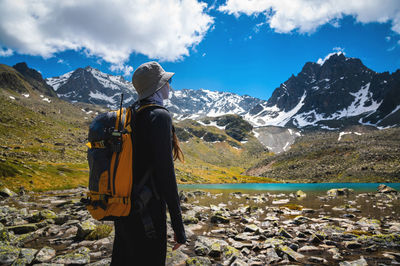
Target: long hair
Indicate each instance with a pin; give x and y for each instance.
(176, 150)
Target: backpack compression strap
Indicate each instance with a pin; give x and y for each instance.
(102, 144)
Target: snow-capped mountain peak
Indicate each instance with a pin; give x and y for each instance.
(322, 61)
(332, 93)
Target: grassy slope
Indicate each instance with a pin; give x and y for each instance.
(217, 162)
(42, 144)
(320, 157)
(41, 148)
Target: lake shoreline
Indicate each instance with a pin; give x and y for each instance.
(256, 228)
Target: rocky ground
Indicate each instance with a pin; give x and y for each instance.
(337, 227)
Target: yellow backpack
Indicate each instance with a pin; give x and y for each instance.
(110, 165)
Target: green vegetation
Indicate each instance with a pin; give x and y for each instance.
(212, 156)
(42, 143)
(101, 231)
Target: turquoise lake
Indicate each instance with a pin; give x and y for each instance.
(359, 187)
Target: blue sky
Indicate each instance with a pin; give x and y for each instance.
(229, 45)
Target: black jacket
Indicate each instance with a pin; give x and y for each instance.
(152, 149)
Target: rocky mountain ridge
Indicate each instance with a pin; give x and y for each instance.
(333, 93)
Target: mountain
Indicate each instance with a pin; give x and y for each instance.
(333, 93)
(195, 104)
(35, 79)
(90, 85)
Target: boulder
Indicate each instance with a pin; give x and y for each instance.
(103, 262)
(292, 255)
(219, 219)
(79, 257)
(272, 257)
(4, 234)
(84, 229)
(284, 233)
(246, 237)
(229, 252)
(209, 246)
(239, 262)
(301, 194)
(318, 260)
(47, 214)
(8, 254)
(251, 228)
(5, 192)
(176, 257)
(101, 231)
(45, 254)
(360, 262)
(189, 219)
(26, 256)
(352, 244)
(198, 261)
(20, 240)
(215, 250)
(300, 220)
(313, 249)
(340, 192)
(386, 189)
(370, 223)
(23, 228)
(316, 238)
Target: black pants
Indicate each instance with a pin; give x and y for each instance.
(132, 247)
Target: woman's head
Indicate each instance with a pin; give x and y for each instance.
(149, 78)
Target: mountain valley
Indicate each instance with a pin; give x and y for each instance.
(335, 121)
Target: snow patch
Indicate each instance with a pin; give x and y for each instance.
(25, 95)
(274, 116)
(57, 82)
(256, 134)
(286, 146)
(322, 61)
(12, 97)
(394, 111)
(341, 134)
(46, 100)
(101, 96)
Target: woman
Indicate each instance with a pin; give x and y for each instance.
(155, 148)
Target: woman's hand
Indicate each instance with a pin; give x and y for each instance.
(177, 245)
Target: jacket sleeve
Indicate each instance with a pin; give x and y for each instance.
(164, 172)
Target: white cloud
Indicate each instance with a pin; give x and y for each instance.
(388, 38)
(62, 61)
(111, 30)
(6, 52)
(305, 16)
(258, 26)
(126, 70)
(338, 49)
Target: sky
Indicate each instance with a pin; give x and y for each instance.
(248, 47)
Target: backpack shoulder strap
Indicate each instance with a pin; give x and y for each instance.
(150, 105)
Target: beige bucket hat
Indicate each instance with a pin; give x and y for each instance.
(149, 78)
